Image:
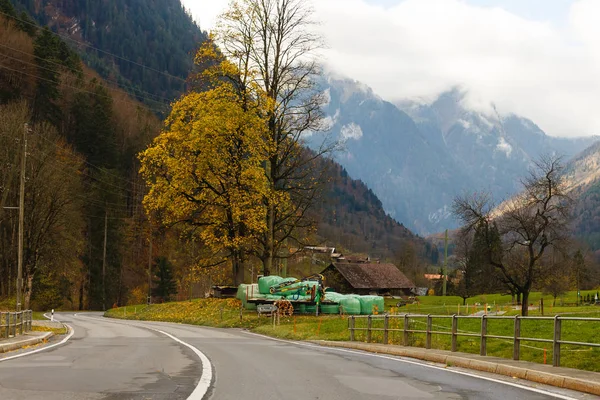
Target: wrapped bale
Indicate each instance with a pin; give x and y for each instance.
(241, 292)
(350, 305)
(247, 291)
(333, 296)
(370, 304)
(330, 308)
(265, 283)
(297, 289)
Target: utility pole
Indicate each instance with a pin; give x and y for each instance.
(104, 262)
(21, 221)
(445, 277)
(150, 271)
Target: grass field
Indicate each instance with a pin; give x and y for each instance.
(227, 314)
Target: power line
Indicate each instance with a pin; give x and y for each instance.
(97, 49)
(83, 90)
(76, 71)
(100, 169)
(54, 166)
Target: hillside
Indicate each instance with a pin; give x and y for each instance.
(82, 183)
(94, 131)
(146, 47)
(352, 218)
(418, 157)
(583, 178)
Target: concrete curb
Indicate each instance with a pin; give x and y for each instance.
(6, 347)
(517, 369)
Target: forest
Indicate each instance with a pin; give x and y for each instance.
(88, 241)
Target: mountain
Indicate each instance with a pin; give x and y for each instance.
(146, 47)
(583, 179)
(418, 157)
(383, 147)
(352, 218)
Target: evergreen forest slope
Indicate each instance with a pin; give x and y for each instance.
(147, 47)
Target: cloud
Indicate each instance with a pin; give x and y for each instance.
(420, 48)
(205, 12)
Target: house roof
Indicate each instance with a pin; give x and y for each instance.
(373, 276)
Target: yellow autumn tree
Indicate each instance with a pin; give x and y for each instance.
(274, 46)
(205, 171)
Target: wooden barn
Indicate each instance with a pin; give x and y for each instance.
(367, 278)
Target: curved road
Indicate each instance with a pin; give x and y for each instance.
(112, 359)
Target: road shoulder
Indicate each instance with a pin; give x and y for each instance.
(25, 340)
(565, 378)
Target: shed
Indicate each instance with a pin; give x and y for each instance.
(367, 278)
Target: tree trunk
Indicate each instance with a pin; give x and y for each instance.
(237, 263)
(270, 247)
(81, 289)
(464, 301)
(525, 304)
(519, 298)
(28, 290)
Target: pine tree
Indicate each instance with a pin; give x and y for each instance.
(165, 282)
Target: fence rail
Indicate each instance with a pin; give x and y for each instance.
(454, 332)
(14, 323)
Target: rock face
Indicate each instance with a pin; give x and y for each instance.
(417, 157)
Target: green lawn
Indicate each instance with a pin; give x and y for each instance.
(227, 314)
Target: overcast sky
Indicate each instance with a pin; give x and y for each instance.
(536, 58)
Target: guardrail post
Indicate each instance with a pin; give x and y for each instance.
(21, 322)
(351, 322)
(517, 341)
(30, 320)
(483, 343)
(556, 342)
(428, 335)
(7, 331)
(14, 324)
(369, 325)
(454, 331)
(386, 321)
(406, 328)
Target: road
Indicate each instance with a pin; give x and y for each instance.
(109, 359)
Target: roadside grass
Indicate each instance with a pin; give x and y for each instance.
(228, 314)
(38, 315)
(57, 331)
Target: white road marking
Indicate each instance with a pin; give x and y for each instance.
(71, 332)
(360, 353)
(205, 379)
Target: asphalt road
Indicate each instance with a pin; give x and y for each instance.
(108, 359)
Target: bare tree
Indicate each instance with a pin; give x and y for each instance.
(273, 44)
(53, 222)
(526, 225)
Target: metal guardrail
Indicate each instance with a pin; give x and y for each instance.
(516, 338)
(15, 323)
